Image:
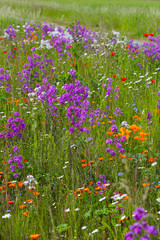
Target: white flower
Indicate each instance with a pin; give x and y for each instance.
(101, 199)
(95, 231)
(76, 209)
(153, 164)
(114, 202)
(7, 215)
(67, 210)
(159, 212)
(158, 200)
(125, 124)
(123, 217)
(84, 227)
(60, 177)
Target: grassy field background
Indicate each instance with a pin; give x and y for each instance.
(132, 18)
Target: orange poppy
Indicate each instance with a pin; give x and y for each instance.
(22, 206)
(34, 236)
(29, 200)
(151, 160)
(36, 193)
(10, 202)
(83, 160)
(145, 184)
(25, 213)
(110, 133)
(126, 197)
(84, 165)
(12, 185)
(20, 184)
(91, 161)
(100, 159)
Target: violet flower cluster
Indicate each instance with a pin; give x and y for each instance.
(10, 32)
(117, 144)
(58, 38)
(38, 68)
(80, 33)
(76, 95)
(158, 102)
(13, 131)
(111, 91)
(140, 229)
(5, 80)
(14, 127)
(15, 160)
(152, 49)
(102, 183)
(47, 95)
(133, 49)
(73, 74)
(149, 117)
(79, 109)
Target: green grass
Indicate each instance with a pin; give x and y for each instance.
(131, 18)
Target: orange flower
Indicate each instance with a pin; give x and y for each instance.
(1, 188)
(84, 165)
(25, 213)
(1, 173)
(126, 197)
(100, 159)
(145, 151)
(83, 160)
(110, 133)
(91, 161)
(145, 184)
(158, 186)
(36, 193)
(10, 202)
(91, 183)
(43, 122)
(98, 188)
(20, 184)
(151, 160)
(29, 200)
(86, 189)
(12, 185)
(34, 236)
(111, 159)
(22, 206)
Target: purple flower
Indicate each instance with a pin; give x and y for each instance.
(145, 237)
(139, 213)
(136, 228)
(120, 174)
(117, 112)
(152, 230)
(16, 175)
(109, 141)
(129, 236)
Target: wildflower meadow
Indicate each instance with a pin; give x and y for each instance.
(79, 134)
